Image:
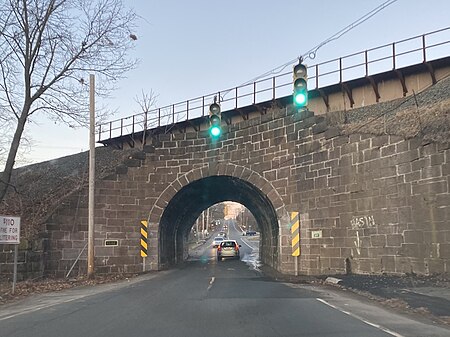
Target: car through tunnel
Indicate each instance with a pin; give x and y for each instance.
(185, 207)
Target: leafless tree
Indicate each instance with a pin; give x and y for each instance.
(48, 48)
(146, 101)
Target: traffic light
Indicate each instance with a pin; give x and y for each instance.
(215, 120)
(300, 95)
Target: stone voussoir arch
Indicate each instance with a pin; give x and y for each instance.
(218, 169)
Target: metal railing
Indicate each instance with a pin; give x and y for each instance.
(420, 48)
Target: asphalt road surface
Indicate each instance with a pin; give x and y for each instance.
(204, 298)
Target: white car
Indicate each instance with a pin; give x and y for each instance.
(228, 248)
(217, 241)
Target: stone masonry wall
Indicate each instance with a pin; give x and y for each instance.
(29, 260)
(380, 203)
(368, 204)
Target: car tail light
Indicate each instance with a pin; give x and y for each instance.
(236, 247)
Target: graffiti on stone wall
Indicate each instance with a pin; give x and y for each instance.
(359, 222)
(357, 244)
(362, 222)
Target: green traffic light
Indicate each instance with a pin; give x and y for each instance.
(215, 131)
(300, 99)
(300, 94)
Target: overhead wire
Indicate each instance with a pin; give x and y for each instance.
(311, 54)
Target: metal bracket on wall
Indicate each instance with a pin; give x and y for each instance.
(228, 119)
(130, 141)
(431, 71)
(374, 87)
(348, 91)
(243, 114)
(194, 126)
(325, 98)
(402, 81)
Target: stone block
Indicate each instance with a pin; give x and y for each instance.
(337, 264)
(413, 236)
(401, 146)
(332, 132)
(434, 266)
(378, 240)
(330, 252)
(444, 250)
(412, 250)
(418, 266)
(394, 240)
(406, 157)
(380, 141)
(446, 169)
(431, 172)
(387, 150)
(362, 265)
(431, 187)
(388, 264)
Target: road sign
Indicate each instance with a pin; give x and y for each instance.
(9, 230)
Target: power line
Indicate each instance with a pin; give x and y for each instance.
(311, 54)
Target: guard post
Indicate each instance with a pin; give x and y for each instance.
(295, 234)
(144, 241)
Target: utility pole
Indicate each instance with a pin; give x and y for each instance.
(203, 224)
(90, 270)
(196, 228)
(207, 220)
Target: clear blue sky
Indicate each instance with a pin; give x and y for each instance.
(191, 48)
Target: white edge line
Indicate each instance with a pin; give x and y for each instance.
(75, 297)
(244, 241)
(40, 307)
(393, 333)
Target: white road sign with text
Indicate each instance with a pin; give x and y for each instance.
(9, 229)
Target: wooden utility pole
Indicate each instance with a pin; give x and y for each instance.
(90, 271)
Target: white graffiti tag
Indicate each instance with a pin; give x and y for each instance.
(363, 222)
(357, 244)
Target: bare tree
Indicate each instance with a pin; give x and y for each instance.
(47, 50)
(146, 101)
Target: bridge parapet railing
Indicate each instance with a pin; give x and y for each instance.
(413, 50)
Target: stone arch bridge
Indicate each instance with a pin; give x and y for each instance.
(371, 200)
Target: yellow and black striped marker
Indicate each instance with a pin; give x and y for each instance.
(144, 235)
(295, 233)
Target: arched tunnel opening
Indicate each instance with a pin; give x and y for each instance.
(186, 206)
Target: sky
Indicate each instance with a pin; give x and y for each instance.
(187, 49)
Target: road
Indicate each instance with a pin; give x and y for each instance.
(204, 297)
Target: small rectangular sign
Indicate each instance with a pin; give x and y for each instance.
(111, 242)
(316, 234)
(9, 229)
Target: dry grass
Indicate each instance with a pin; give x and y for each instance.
(432, 123)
